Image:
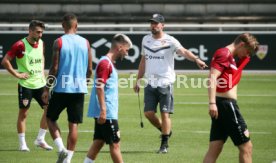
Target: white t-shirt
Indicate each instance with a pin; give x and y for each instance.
(159, 59)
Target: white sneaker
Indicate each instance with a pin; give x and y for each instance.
(42, 144)
(66, 160)
(24, 148)
(62, 156)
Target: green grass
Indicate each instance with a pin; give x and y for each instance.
(191, 125)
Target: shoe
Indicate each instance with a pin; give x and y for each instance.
(24, 148)
(42, 144)
(62, 156)
(163, 149)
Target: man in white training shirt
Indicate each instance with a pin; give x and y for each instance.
(157, 65)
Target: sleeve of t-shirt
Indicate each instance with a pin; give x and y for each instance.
(104, 69)
(176, 44)
(59, 43)
(220, 60)
(17, 50)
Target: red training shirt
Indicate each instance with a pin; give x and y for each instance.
(231, 72)
(18, 49)
(104, 69)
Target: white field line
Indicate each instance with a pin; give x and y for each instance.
(185, 131)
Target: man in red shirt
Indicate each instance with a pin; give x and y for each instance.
(227, 120)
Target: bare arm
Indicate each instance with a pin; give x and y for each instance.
(51, 79)
(54, 66)
(213, 75)
(100, 93)
(89, 67)
(190, 56)
(6, 62)
(141, 72)
(55, 60)
(43, 60)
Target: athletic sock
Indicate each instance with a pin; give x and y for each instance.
(69, 156)
(88, 160)
(58, 142)
(41, 134)
(21, 137)
(164, 140)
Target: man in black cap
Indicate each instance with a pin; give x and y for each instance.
(157, 65)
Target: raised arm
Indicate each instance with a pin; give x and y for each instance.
(190, 56)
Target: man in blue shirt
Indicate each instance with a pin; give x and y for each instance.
(71, 66)
(103, 104)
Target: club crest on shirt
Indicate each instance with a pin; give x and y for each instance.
(262, 51)
(25, 102)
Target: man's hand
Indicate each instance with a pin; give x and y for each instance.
(136, 88)
(23, 75)
(200, 64)
(102, 117)
(213, 111)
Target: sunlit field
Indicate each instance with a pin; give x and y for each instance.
(190, 125)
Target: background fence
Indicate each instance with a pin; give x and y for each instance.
(202, 43)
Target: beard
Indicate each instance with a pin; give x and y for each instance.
(155, 31)
(35, 39)
(122, 56)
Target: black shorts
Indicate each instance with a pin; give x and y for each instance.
(25, 96)
(229, 123)
(72, 101)
(161, 95)
(109, 131)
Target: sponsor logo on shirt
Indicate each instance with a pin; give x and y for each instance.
(34, 61)
(153, 57)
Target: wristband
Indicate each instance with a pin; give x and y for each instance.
(212, 103)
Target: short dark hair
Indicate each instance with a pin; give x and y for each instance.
(68, 18)
(36, 23)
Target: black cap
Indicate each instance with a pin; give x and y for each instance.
(157, 18)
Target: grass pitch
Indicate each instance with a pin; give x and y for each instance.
(190, 123)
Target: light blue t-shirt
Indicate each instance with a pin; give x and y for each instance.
(110, 93)
(73, 62)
